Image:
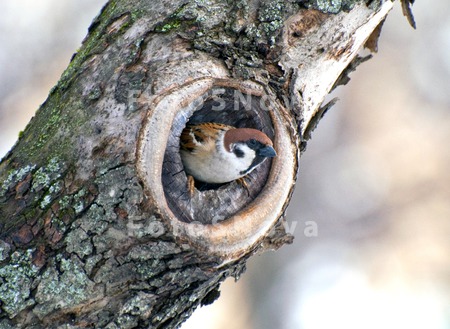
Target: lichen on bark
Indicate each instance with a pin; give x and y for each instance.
(16, 280)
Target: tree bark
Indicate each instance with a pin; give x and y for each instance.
(97, 228)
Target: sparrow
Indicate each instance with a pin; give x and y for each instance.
(216, 153)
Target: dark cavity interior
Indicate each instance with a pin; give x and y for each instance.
(212, 203)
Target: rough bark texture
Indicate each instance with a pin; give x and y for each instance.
(93, 231)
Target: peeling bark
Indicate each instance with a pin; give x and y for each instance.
(96, 228)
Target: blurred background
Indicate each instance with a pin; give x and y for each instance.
(375, 179)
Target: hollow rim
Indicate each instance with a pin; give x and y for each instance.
(237, 235)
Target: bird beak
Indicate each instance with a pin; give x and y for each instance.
(267, 152)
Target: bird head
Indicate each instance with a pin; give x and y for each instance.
(249, 146)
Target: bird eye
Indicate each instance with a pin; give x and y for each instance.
(253, 143)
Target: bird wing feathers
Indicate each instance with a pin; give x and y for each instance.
(200, 134)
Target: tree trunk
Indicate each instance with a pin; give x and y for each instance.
(97, 228)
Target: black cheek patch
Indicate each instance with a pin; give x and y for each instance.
(238, 152)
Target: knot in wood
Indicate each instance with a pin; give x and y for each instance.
(222, 219)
